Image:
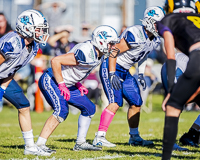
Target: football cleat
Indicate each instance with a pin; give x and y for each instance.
(138, 141)
(187, 140)
(86, 146)
(176, 147)
(102, 142)
(46, 149)
(35, 150)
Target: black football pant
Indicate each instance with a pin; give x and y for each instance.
(186, 85)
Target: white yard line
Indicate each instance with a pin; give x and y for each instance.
(105, 157)
(96, 158)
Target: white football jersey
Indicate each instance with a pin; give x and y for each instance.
(16, 55)
(140, 44)
(181, 63)
(86, 55)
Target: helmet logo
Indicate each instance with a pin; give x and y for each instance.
(103, 34)
(152, 13)
(25, 20)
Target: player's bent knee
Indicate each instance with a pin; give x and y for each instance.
(24, 110)
(113, 107)
(59, 119)
(61, 116)
(135, 107)
(136, 102)
(89, 110)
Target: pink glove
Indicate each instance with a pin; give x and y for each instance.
(81, 88)
(64, 91)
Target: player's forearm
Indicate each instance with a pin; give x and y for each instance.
(2, 59)
(112, 64)
(169, 45)
(52, 40)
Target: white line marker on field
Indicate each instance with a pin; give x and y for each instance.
(105, 157)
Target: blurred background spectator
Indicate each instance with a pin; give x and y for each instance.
(53, 11)
(85, 33)
(122, 29)
(4, 25)
(60, 40)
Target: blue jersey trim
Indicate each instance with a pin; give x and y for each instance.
(178, 73)
(80, 57)
(129, 37)
(95, 52)
(23, 42)
(144, 32)
(7, 47)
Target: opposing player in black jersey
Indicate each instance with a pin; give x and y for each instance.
(180, 30)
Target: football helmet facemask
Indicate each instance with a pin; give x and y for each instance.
(151, 15)
(32, 24)
(104, 38)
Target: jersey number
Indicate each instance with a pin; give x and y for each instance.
(140, 56)
(195, 20)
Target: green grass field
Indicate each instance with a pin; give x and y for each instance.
(63, 138)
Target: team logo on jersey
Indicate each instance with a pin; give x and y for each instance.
(103, 34)
(18, 42)
(141, 36)
(91, 55)
(152, 13)
(25, 20)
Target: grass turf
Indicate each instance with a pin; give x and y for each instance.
(63, 138)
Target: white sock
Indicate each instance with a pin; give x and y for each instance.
(28, 138)
(83, 126)
(41, 141)
(101, 133)
(133, 131)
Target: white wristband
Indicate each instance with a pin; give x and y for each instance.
(3, 87)
(61, 82)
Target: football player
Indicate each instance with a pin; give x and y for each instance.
(136, 42)
(190, 138)
(180, 30)
(61, 85)
(181, 63)
(17, 49)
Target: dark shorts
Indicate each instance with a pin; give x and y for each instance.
(188, 82)
(51, 92)
(130, 90)
(14, 94)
